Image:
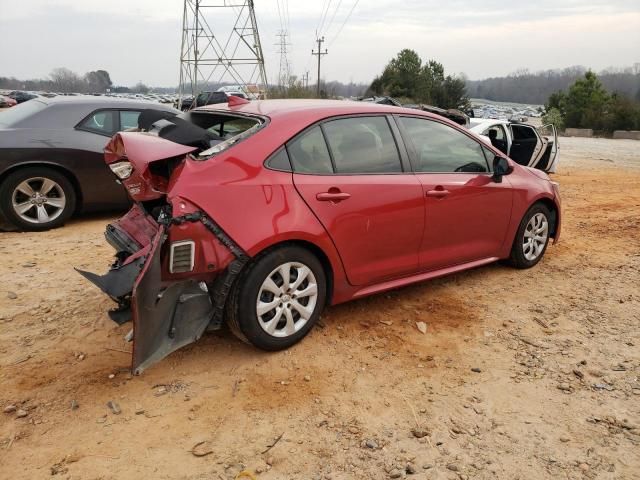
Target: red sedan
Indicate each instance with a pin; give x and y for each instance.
(262, 213)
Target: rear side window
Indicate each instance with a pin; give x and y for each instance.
(309, 153)
(522, 132)
(440, 148)
(103, 122)
(362, 145)
(128, 119)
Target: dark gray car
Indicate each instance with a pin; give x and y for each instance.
(51, 157)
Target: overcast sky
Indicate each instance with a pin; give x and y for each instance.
(139, 40)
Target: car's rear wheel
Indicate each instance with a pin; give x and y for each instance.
(37, 198)
(532, 237)
(278, 298)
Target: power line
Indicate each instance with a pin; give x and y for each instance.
(344, 23)
(324, 17)
(287, 17)
(333, 17)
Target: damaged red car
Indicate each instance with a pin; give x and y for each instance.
(259, 214)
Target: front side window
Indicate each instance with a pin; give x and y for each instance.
(309, 154)
(362, 145)
(103, 122)
(440, 148)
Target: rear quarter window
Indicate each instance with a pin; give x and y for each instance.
(309, 154)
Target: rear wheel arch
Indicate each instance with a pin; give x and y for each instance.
(265, 334)
(316, 251)
(60, 169)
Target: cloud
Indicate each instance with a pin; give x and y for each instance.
(140, 40)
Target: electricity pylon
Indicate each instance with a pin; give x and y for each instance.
(285, 68)
(221, 45)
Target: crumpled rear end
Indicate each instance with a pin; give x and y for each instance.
(165, 318)
(166, 314)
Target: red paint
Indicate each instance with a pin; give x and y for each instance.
(376, 231)
(235, 101)
(141, 149)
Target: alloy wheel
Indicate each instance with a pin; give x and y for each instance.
(536, 235)
(38, 200)
(287, 299)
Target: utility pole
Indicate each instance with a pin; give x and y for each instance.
(319, 53)
(220, 45)
(305, 79)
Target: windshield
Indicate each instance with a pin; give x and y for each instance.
(15, 115)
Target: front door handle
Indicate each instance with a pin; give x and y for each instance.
(438, 193)
(333, 196)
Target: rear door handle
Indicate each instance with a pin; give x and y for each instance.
(332, 196)
(437, 193)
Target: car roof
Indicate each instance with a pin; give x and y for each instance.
(313, 108)
(487, 121)
(66, 112)
(101, 101)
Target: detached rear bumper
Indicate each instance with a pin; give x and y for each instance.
(166, 315)
(170, 307)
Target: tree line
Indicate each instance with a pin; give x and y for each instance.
(62, 80)
(588, 104)
(524, 86)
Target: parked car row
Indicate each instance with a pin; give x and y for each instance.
(207, 98)
(10, 99)
(6, 101)
(262, 213)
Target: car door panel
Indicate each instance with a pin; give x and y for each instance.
(469, 223)
(549, 155)
(467, 212)
(377, 229)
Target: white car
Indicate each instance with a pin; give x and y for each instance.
(523, 143)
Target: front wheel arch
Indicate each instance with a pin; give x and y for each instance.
(553, 211)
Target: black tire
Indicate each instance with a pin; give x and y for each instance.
(62, 191)
(518, 258)
(241, 309)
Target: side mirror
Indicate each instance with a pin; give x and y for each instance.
(501, 167)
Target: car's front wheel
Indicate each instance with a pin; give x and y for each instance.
(532, 237)
(278, 298)
(37, 198)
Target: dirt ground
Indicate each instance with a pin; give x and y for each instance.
(520, 374)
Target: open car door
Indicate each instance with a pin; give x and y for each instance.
(527, 146)
(549, 159)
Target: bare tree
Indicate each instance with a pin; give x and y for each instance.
(65, 81)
